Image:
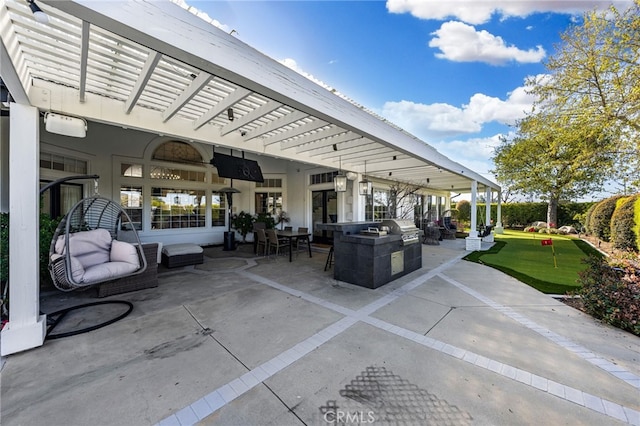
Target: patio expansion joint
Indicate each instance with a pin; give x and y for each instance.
(561, 341)
(230, 391)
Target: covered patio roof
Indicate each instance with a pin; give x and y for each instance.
(153, 66)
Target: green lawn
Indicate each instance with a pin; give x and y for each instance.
(522, 255)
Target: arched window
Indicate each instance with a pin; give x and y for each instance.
(177, 152)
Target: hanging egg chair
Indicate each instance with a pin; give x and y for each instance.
(95, 242)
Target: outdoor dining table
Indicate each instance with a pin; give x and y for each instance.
(290, 235)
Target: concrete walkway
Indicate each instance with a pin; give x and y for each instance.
(242, 340)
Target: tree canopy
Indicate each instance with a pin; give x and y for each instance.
(585, 126)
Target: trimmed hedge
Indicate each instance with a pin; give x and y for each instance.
(519, 215)
(625, 222)
(588, 217)
(600, 224)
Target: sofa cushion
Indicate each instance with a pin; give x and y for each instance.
(182, 248)
(90, 247)
(124, 252)
(77, 270)
(108, 270)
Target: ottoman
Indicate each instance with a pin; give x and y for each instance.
(174, 255)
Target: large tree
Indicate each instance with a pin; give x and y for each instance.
(594, 79)
(585, 127)
(553, 157)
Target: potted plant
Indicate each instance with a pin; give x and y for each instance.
(282, 218)
(243, 223)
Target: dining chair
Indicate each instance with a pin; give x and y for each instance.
(288, 228)
(275, 242)
(304, 239)
(262, 241)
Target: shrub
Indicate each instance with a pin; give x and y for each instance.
(587, 218)
(464, 211)
(243, 223)
(624, 224)
(601, 218)
(611, 290)
(267, 219)
(47, 229)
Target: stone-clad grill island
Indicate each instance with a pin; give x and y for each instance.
(371, 254)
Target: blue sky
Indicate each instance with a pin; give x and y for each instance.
(451, 72)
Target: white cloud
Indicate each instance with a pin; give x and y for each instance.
(444, 120)
(291, 63)
(474, 153)
(460, 42)
(202, 15)
(479, 12)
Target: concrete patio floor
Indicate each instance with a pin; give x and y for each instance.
(244, 340)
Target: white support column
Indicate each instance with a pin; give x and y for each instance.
(26, 327)
(359, 203)
(472, 241)
(499, 229)
(488, 194)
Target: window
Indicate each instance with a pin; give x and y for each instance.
(323, 178)
(218, 209)
(269, 199)
(59, 199)
(169, 173)
(269, 202)
(177, 208)
(62, 163)
(177, 152)
(270, 183)
(131, 203)
(381, 204)
(131, 170)
(217, 179)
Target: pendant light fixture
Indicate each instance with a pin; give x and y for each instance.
(365, 185)
(340, 180)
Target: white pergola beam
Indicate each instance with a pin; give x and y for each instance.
(84, 58)
(303, 128)
(10, 77)
(283, 121)
(222, 106)
(256, 114)
(143, 79)
(196, 85)
(329, 138)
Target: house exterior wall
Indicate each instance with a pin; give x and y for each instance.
(106, 147)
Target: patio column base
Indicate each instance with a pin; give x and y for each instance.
(499, 229)
(18, 339)
(473, 243)
(488, 238)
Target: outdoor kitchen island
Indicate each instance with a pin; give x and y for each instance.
(371, 254)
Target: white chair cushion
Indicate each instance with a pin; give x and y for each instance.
(184, 248)
(108, 270)
(90, 247)
(124, 252)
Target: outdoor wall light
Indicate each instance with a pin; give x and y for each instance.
(365, 186)
(340, 180)
(230, 114)
(65, 125)
(38, 14)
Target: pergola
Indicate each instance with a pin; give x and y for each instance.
(154, 66)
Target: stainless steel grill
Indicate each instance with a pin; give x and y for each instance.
(406, 228)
